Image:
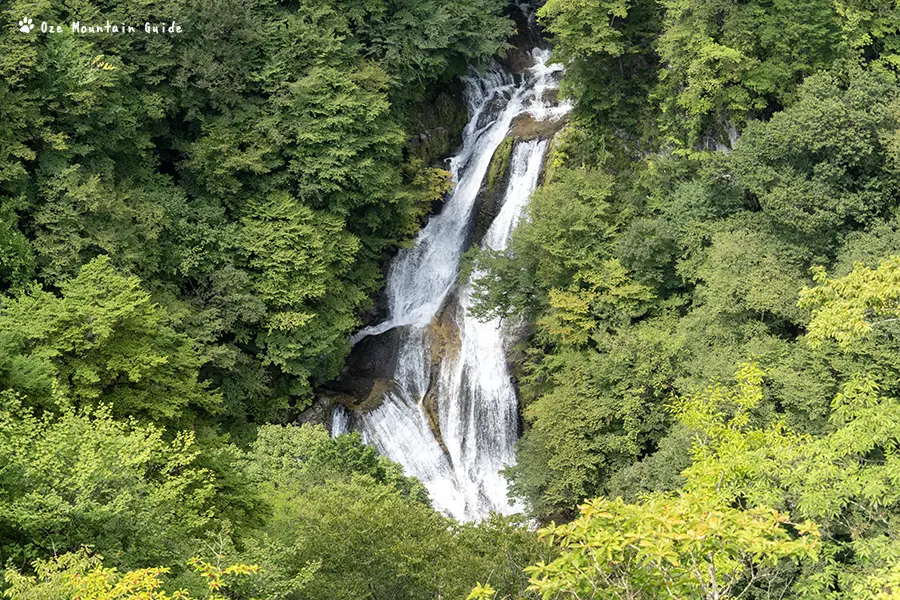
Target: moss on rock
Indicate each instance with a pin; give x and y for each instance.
(499, 163)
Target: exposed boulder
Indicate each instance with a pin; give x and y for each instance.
(375, 356)
(320, 411)
(368, 374)
(518, 57)
(525, 127)
(517, 61)
(443, 334)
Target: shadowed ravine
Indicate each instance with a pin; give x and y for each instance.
(467, 384)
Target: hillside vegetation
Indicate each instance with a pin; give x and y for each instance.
(709, 275)
(712, 271)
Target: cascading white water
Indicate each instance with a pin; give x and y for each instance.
(477, 401)
(340, 421)
(475, 397)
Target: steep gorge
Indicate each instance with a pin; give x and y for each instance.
(445, 406)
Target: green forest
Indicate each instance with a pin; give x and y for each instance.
(193, 225)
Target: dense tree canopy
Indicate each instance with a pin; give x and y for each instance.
(733, 210)
(203, 163)
(87, 479)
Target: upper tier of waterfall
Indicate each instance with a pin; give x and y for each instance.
(421, 277)
(459, 446)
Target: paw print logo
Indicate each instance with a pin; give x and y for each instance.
(26, 25)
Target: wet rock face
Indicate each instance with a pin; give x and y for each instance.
(444, 344)
(443, 333)
(375, 356)
(319, 413)
(517, 61)
(518, 58)
(369, 371)
(366, 378)
(525, 128)
(490, 196)
(492, 108)
(359, 393)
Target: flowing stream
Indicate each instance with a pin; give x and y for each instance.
(458, 447)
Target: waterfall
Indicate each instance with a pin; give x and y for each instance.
(478, 404)
(454, 425)
(340, 421)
